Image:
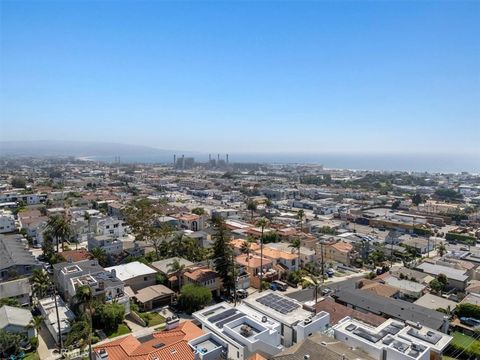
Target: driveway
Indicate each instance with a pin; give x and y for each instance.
(46, 345)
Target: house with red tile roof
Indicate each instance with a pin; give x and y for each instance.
(163, 345)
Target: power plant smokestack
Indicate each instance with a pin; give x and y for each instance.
(227, 159)
(218, 157)
(174, 159)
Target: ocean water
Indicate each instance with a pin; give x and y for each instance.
(442, 163)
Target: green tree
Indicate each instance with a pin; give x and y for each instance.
(442, 279)
(199, 211)
(36, 323)
(247, 245)
(194, 297)
(58, 227)
(222, 253)
(441, 249)
(9, 343)
(262, 224)
(41, 283)
(100, 255)
(468, 310)
(417, 199)
(300, 217)
(436, 285)
(19, 182)
(83, 299)
(177, 268)
(252, 207)
(327, 230)
(396, 204)
(143, 217)
(79, 334)
(296, 244)
(108, 316)
(9, 302)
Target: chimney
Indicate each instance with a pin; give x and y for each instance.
(218, 157)
(114, 272)
(227, 159)
(174, 159)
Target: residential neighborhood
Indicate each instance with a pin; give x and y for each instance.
(236, 261)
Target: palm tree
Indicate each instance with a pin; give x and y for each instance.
(301, 216)
(296, 244)
(100, 255)
(83, 298)
(246, 246)
(36, 323)
(262, 223)
(252, 207)
(59, 228)
(41, 283)
(165, 231)
(177, 268)
(441, 248)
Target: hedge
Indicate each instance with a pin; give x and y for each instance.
(466, 239)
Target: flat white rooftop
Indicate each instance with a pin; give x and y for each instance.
(131, 270)
(279, 307)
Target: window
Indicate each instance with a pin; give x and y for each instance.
(145, 278)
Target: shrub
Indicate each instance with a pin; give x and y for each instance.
(465, 239)
(194, 297)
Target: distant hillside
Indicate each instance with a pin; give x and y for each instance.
(83, 149)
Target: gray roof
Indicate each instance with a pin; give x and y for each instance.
(10, 315)
(88, 266)
(13, 252)
(164, 265)
(394, 308)
(451, 273)
(15, 288)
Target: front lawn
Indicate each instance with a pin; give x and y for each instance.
(468, 346)
(462, 340)
(152, 318)
(31, 356)
(121, 330)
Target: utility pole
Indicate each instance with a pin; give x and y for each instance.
(58, 319)
(322, 261)
(234, 280)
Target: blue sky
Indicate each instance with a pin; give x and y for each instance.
(245, 76)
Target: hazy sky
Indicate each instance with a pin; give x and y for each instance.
(245, 76)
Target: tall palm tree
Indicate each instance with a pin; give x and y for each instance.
(296, 244)
(177, 268)
(301, 216)
(59, 228)
(252, 207)
(246, 246)
(41, 283)
(261, 223)
(83, 298)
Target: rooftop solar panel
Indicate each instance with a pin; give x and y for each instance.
(278, 303)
